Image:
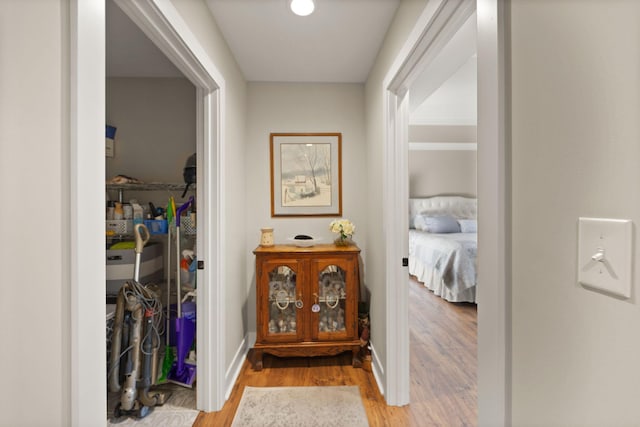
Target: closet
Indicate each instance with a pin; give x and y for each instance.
(151, 109)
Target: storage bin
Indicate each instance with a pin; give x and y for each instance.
(120, 226)
(187, 225)
(120, 264)
(156, 226)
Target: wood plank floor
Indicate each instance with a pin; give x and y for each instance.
(443, 370)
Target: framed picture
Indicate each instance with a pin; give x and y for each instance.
(306, 174)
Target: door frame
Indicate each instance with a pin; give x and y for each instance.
(162, 23)
(438, 22)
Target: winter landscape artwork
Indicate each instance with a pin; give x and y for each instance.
(306, 174)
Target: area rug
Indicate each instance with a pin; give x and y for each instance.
(178, 411)
(301, 406)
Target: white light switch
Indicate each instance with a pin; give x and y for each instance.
(605, 255)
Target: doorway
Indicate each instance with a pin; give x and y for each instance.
(442, 176)
(151, 108)
(435, 26)
(161, 22)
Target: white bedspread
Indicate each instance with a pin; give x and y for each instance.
(445, 263)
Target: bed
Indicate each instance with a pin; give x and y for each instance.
(443, 245)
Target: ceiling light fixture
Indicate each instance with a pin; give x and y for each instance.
(302, 7)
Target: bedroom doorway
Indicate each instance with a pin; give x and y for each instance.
(435, 26)
(442, 175)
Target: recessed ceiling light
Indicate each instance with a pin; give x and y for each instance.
(302, 7)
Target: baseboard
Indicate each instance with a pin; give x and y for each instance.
(377, 368)
(231, 376)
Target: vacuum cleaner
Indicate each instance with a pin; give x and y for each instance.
(182, 373)
(135, 341)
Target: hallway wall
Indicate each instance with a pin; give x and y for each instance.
(34, 291)
(300, 107)
(201, 23)
(575, 147)
(375, 268)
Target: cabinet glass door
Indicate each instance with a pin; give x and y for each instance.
(331, 300)
(283, 305)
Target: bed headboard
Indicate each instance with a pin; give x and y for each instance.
(456, 206)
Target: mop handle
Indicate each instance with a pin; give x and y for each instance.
(178, 254)
(138, 231)
(178, 296)
(141, 240)
(168, 284)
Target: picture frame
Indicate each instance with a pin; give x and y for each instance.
(306, 174)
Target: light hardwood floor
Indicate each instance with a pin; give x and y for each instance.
(443, 370)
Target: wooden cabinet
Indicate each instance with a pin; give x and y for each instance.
(306, 301)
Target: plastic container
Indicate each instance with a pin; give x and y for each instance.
(138, 214)
(156, 226)
(120, 226)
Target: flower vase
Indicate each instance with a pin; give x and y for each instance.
(342, 241)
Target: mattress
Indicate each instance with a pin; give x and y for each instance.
(445, 263)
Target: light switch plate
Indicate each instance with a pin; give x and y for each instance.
(605, 255)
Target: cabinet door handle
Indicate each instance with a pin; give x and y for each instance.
(315, 307)
(299, 303)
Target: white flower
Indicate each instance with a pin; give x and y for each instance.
(344, 227)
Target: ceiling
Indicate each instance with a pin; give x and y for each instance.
(338, 43)
(268, 41)
(445, 93)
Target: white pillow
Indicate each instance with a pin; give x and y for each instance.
(468, 225)
(437, 224)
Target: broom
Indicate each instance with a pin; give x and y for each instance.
(169, 357)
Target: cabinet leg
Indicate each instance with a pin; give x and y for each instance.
(257, 360)
(355, 361)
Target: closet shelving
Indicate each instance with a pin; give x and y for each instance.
(188, 228)
(151, 186)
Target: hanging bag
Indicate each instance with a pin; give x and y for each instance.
(189, 173)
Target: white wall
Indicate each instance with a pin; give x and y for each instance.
(302, 108)
(199, 19)
(156, 132)
(374, 262)
(442, 172)
(34, 292)
(433, 172)
(156, 121)
(442, 133)
(575, 149)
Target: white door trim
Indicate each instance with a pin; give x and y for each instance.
(494, 220)
(162, 23)
(396, 195)
(87, 270)
(434, 28)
